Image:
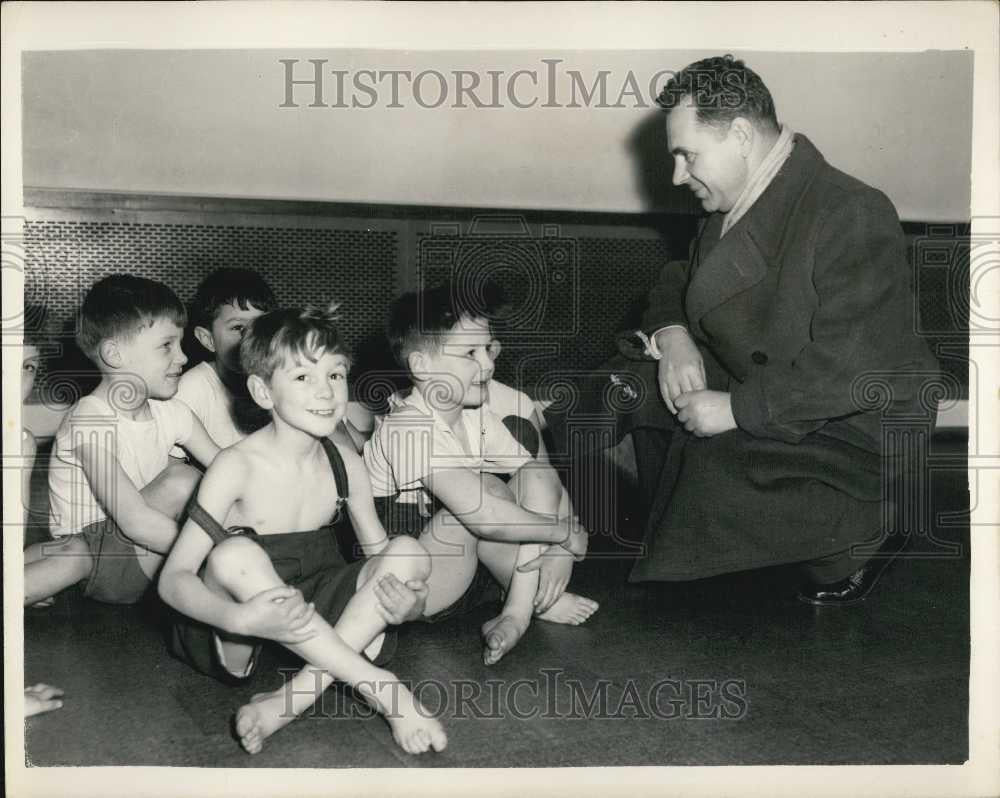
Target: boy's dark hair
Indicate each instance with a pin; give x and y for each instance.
(240, 287)
(36, 331)
(294, 332)
(120, 305)
(721, 89)
(419, 319)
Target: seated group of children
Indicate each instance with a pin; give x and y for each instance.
(452, 500)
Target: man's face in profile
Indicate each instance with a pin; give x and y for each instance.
(707, 159)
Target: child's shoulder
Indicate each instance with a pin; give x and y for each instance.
(199, 374)
(505, 400)
(172, 413)
(406, 407)
(351, 459)
(236, 461)
(90, 406)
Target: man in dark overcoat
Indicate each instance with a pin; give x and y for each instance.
(774, 355)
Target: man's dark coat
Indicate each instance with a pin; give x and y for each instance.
(804, 312)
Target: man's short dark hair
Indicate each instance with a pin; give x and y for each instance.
(240, 287)
(721, 89)
(418, 320)
(120, 305)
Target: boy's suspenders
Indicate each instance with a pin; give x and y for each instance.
(217, 533)
(339, 470)
(200, 516)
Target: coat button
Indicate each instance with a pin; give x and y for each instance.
(759, 358)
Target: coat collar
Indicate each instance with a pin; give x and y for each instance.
(723, 268)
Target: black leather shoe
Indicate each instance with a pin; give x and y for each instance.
(856, 587)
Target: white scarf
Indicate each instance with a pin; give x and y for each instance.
(761, 178)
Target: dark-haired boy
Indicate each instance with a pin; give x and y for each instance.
(446, 470)
(242, 572)
(226, 301)
(115, 496)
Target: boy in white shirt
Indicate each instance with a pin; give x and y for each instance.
(224, 305)
(115, 496)
(446, 470)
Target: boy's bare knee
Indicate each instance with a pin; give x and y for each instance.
(495, 486)
(77, 552)
(172, 489)
(232, 556)
(540, 475)
(407, 559)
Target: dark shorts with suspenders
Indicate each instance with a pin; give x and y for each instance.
(309, 561)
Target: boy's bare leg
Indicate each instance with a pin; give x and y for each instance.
(244, 569)
(503, 632)
(53, 566)
(539, 490)
(452, 549)
(169, 493)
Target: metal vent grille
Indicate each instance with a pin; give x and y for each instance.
(303, 265)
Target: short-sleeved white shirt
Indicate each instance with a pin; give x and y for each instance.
(201, 389)
(412, 441)
(505, 401)
(141, 447)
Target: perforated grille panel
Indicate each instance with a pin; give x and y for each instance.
(569, 293)
(302, 265)
(573, 285)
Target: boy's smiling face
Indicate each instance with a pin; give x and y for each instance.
(226, 332)
(309, 396)
(154, 355)
(458, 374)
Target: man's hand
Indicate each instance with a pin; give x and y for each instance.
(279, 614)
(400, 602)
(681, 368)
(706, 413)
(554, 566)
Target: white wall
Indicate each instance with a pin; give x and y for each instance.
(209, 123)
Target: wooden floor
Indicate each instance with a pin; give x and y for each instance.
(731, 670)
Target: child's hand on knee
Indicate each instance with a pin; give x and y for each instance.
(400, 602)
(555, 567)
(279, 614)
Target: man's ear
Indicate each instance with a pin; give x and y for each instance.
(110, 354)
(259, 391)
(744, 132)
(204, 337)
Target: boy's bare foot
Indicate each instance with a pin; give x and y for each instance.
(501, 635)
(570, 608)
(263, 716)
(413, 729)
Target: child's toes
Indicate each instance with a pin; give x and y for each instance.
(439, 740)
